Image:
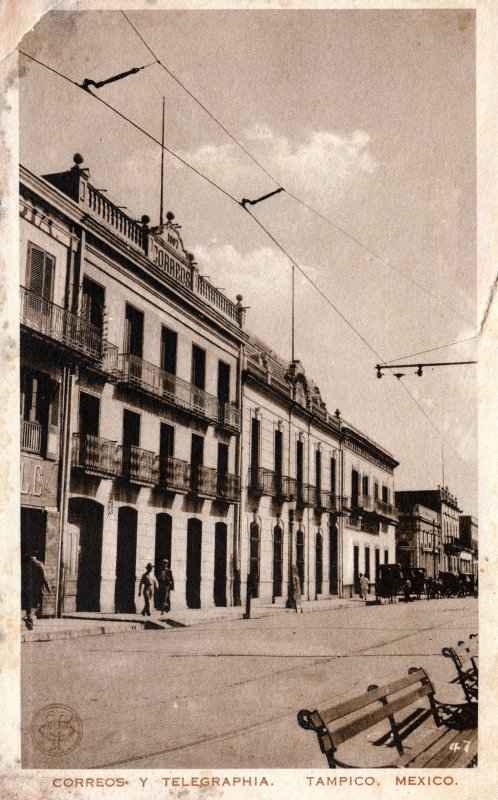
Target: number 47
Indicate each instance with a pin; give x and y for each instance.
(456, 746)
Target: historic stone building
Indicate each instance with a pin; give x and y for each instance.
(153, 426)
(418, 538)
(445, 505)
(130, 402)
(317, 494)
(469, 537)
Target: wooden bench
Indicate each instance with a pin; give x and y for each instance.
(464, 657)
(400, 708)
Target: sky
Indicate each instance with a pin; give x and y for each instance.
(368, 117)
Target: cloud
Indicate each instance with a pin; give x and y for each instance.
(325, 165)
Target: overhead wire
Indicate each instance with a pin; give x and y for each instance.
(256, 220)
(294, 197)
(431, 350)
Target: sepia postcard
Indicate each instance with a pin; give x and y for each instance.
(249, 418)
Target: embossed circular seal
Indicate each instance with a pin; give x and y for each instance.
(56, 730)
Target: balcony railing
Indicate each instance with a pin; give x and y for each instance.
(59, 324)
(95, 455)
(228, 487)
(229, 417)
(134, 371)
(385, 508)
(262, 481)
(31, 436)
(139, 466)
(174, 475)
(362, 502)
(123, 224)
(204, 482)
(306, 494)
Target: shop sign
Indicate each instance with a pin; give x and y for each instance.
(38, 482)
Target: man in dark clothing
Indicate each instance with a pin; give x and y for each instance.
(166, 585)
(33, 581)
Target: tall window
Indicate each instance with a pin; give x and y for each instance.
(39, 414)
(198, 367)
(41, 268)
(385, 494)
(318, 473)
(89, 413)
(131, 428)
(333, 475)
(376, 490)
(278, 460)
(166, 441)
(223, 382)
(255, 434)
(254, 557)
(168, 350)
(365, 485)
(222, 458)
(134, 331)
(299, 465)
(367, 562)
(92, 303)
(197, 450)
(355, 488)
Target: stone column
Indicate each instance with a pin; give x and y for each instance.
(109, 552)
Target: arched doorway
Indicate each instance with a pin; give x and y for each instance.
(300, 557)
(220, 564)
(277, 561)
(84, 554)
(124, 594)
(164, 525)
(318, 563)
(254, 543)
(333, 588)
(194, 550)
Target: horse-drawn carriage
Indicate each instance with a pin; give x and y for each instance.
(388, 582)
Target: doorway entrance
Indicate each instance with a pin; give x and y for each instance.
(84, 554)
(220, 564)
(124, 594)
(277, 561)
(333, 559)
(194, 551)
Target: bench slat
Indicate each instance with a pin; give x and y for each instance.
(377, 715)
(451, 758)
(355, 703)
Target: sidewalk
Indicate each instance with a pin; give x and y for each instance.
(84, 623)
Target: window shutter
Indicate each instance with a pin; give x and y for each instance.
(37, 259)
(48, 277)
(53, 423)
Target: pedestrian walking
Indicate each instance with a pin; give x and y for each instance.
(148, 582)
(33, 582)
(364, 586)
(407, 588)
(166, 586)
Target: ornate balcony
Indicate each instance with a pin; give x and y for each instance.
(229, 417)
(174, 475)
(173, 391)
(204, 482)
(96, 456)
(139, 466)
(61, 325)
(262, 481)
(306, 494)
(228, 487)
(386, 509)
(31, 436)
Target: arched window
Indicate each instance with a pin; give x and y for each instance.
(277, 561)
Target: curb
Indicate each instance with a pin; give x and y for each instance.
(76, 633)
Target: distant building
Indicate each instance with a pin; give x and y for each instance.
(445, 505)
(469, 529)
(418, 538)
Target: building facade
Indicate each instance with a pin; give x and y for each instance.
(445, 505)
(153, 426)
(469, 535)
(317, 494)
(418, 539)
(130, 403)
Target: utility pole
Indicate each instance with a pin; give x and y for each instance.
(161, 204)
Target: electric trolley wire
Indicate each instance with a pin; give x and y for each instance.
(196, 100)
(294, 197)
(134, 124)
(256, 220)
(431, 350)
